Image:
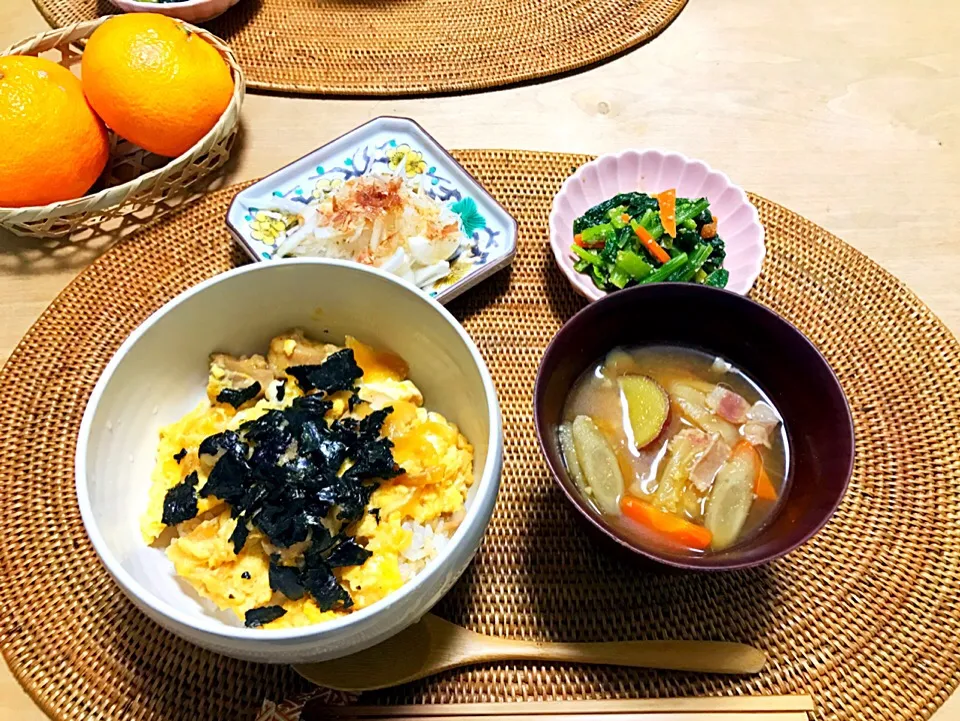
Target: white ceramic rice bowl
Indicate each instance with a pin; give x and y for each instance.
(160, 372)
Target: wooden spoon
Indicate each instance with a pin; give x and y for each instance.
(435, 645)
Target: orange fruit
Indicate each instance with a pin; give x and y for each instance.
(155, 82)
(54, 147)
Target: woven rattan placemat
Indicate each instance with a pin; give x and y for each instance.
(866, 617)
(413, 47)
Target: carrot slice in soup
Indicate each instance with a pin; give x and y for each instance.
(764, 488)
(673, 527)
(668, 211)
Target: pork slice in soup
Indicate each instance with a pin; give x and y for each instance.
(678, 448)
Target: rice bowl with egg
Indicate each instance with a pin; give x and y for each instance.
(310, 483)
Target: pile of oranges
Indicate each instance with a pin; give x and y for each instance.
(145, 76)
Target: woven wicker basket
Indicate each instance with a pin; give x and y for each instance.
(135, 183)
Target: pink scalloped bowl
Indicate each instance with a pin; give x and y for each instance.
(653, 171)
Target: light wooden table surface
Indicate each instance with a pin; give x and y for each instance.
(846, 112)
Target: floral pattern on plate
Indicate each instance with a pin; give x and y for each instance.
(261, 216)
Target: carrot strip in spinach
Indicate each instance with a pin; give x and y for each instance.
(668, 211)
(650, 244)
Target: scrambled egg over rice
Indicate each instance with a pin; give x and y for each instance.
(406, 521)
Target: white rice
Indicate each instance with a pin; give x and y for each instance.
(427, 542)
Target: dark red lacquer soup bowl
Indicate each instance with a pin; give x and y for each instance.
(786, 366)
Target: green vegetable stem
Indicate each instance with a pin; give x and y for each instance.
(667, 269)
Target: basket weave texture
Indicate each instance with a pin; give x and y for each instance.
(136, 184)
(865, 617)
(414, 47)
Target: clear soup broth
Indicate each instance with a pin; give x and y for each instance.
(678, 448)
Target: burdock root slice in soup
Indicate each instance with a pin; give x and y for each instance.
(598, 464)
(570, 456)
(732, 495)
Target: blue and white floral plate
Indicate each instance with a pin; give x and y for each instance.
(260, 216)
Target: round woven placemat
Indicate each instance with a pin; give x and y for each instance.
(866, 617)
(411, 47)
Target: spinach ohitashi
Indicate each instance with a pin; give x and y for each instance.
(635, 238)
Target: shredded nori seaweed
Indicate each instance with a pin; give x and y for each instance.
(373, 460)
(282, 389)
(285, 579)
(180, 503)
(375, 512)
(337, 373)
(226, 441)
(324, 587)
(227, 480)
(348, 553)
(245, 575)
(281, 474)
(236, 397)
(265, 614)
(239, 536)
(180, 455)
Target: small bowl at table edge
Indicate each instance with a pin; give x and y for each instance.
(191, 11)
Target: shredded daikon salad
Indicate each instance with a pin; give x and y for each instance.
(380, 220)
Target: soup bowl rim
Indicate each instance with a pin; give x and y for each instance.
(706, 562)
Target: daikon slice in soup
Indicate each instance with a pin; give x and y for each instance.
(677, 447)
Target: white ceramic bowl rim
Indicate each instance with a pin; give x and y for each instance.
(169, 3)
(211, 625)
(195, 12)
